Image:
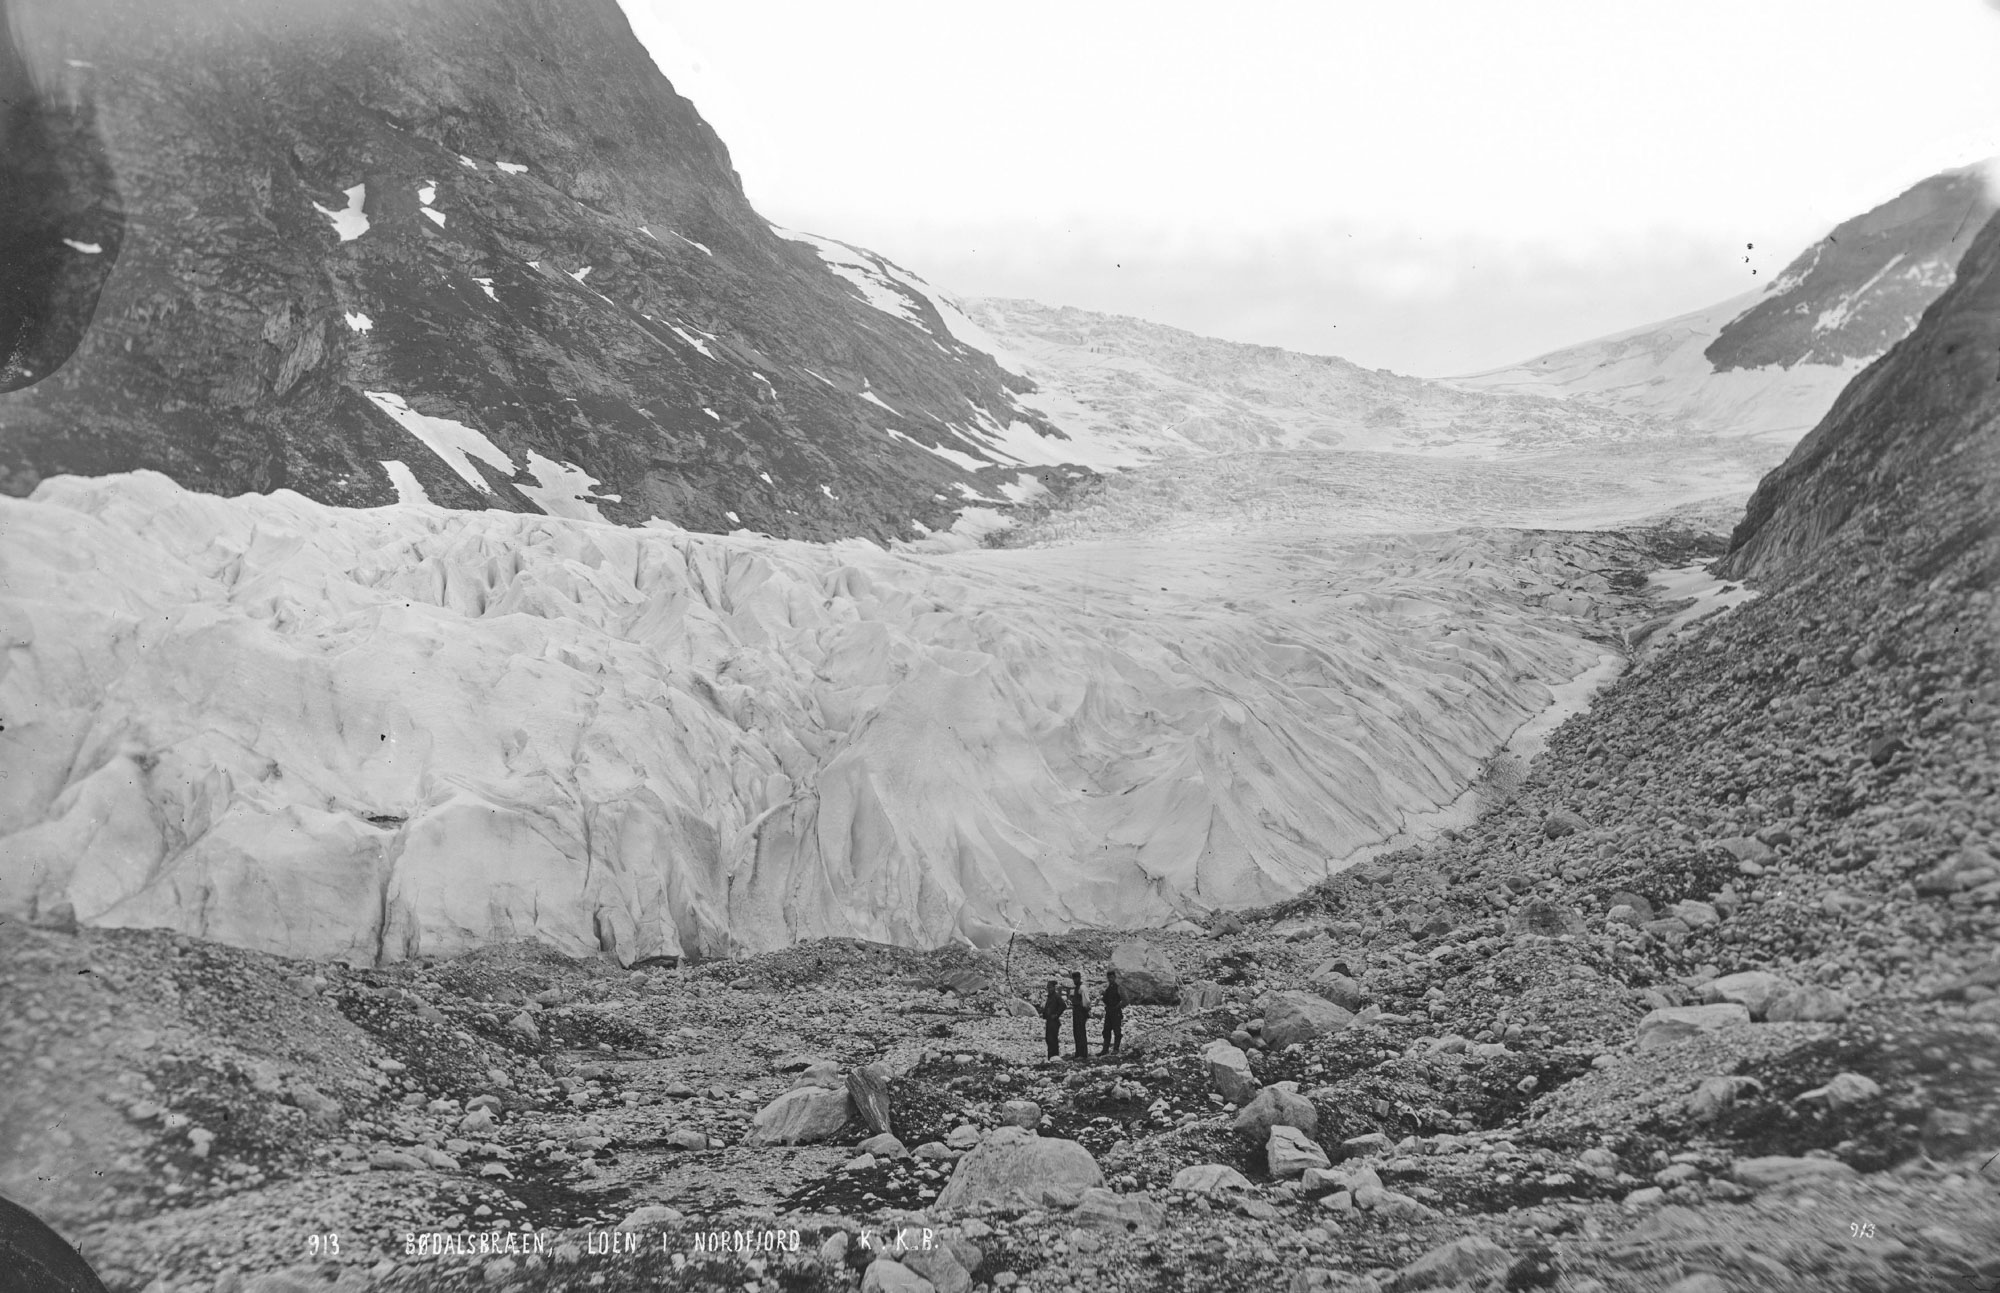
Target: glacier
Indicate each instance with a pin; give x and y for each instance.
(371, 734)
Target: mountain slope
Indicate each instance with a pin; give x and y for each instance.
(1769, 364)
(482, 252)
(1907, 461)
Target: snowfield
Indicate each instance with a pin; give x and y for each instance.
(1659, 370)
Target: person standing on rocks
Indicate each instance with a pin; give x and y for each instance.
(1114, 1014)
(1079, 1007)
(1052, 1013)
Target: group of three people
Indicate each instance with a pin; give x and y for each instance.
(1078, 1005)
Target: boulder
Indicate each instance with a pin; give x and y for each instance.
(1291, 1152)
(1300, 1017)
(886, 1275)
(1123, 1214)
(1563, 822)
(1462, 1261)
(1540, 916)
(1748, 848)
(819, 1073)
(1777, 1170)
(398, 1160)
(1209, 1178)
(1953, 1133)
(1752, 989)
(1145, 974)
(650, 1214)
(1276, 1106)
(1670, 1024)
(1330, 980)
(1229, 1071)
(1844, 1089)
(1717, 1095)
(883, 1145)
(1695, 914)
(1021, 1113)
(1197, 997)
(1637, 902)
(800, 1116)
(322, 1111)
(942, 1265)
(868, 1088)
(965, 981)
(1012, 1159)
(1811, 1003)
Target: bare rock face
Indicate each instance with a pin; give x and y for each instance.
(1010, 1159)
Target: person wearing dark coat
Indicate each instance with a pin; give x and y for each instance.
(1114, 1013)
(1052, 1013)
(1079, 1014)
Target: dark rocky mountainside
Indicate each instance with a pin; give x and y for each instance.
(1909, 455)
(1861, 288)
(498, 218)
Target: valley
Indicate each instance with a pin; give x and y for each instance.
(553, 732)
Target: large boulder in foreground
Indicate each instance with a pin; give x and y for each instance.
(1146, 975)
(800, 1116)
(1300, 1017)
(1013, 1159)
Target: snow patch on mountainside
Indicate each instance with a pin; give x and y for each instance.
(348, 222)
(452, 441)
(562, 489)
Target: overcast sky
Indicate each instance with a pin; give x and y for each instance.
(1432, 186)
